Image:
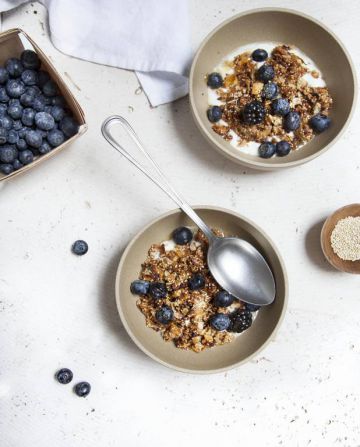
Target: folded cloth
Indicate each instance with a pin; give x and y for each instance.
(149, 36)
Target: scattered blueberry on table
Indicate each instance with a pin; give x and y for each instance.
(82, 389)
(34, 117)
(79, 247)
(64, 376)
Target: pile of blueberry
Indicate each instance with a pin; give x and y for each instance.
(237, 321)
(34, 118)
(254, 112)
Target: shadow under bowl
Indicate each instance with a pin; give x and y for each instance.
(280, 26)
(219, 358)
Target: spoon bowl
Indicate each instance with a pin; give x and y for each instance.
(241, 270)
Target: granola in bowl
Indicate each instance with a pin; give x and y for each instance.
(181, 300)
(268, 102)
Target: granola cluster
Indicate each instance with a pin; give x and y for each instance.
(242, 87)
(190, 327)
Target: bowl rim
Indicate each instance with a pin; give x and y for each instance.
(189, 370)
(257, 164)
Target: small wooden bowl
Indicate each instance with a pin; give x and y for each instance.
(344, 266)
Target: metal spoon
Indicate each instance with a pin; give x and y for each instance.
(236, 265)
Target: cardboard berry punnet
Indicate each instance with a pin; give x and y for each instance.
(12, 43)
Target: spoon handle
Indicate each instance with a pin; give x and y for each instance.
(161, 181)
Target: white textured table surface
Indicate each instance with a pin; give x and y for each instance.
(58, 310)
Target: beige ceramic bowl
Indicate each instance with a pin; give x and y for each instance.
(283, 26)
(218, 358)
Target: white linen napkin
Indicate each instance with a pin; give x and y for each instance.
(148, 36)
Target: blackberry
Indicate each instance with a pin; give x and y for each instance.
(254, 113)
(240, 321)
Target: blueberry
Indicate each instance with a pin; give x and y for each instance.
(21, 144)
(57, 112)
(14, 67)
(29, 77)
(33, 90)
(79, 248)
(214, 114)
(8, 153)
(43, 77)
(26, 157)
(6, 168)
(45, 148)
(27, 99)
(223, 299)
(270, 90)
(267, 149)
(292, 121)
(30, 60)
(220, 322)
(39, 103)
(253, 113)
(3, 109)
(196, 282)
(82, 389)
(17, 164)
(240, 321)
(182, 235)
(4, 75)
(50, 88)
(64, 376)
(259, 55)
(319, 122)
(157, 290)
(214, 80)
(280, 106)
(69, 126)
(48, 109)
(282, 148)
(28, 116)
(265, 73)
(13, 136)
(44, 121)
(33, 138)
(58, 101)
(4, 97)
(55, 137)
(139, 287)
(15, 111)
(6, 122)
(164, 315)
(3, 135)
(22, 132)
(252, 307)
(15, 88)
(17, 125)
